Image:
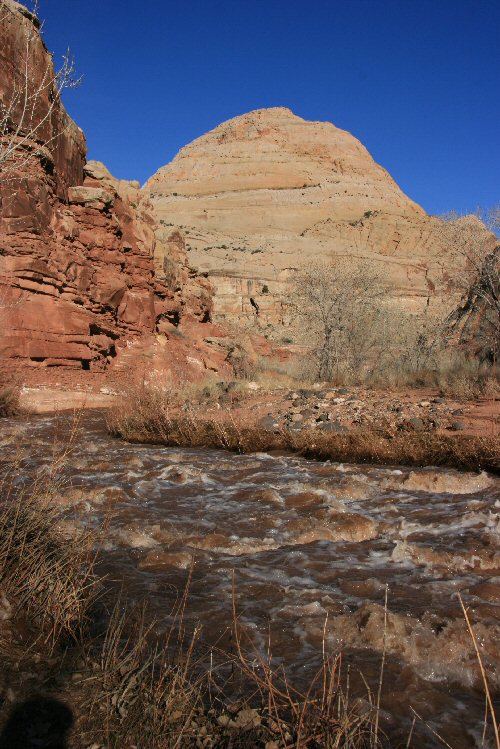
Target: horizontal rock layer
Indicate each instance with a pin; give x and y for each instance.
(77, 269)
(264, 194)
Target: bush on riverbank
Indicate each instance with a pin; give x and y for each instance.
(9, 400)
(148, 416)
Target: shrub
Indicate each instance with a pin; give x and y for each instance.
(9, 400)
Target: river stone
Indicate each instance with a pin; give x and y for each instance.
(268, 423)
(416, 424)
(457, 426)
(307, 413)
(333, 426)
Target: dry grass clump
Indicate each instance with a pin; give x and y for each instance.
(137, 693)
(147, 417)
(44, 574)
(455, 375)
(467, 379)
(9, 400)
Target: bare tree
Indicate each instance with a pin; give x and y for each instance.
(476, 247)
(30, 98)
(338, 309)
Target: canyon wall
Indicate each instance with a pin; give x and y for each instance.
(77, 270)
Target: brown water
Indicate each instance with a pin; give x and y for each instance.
(313, 547)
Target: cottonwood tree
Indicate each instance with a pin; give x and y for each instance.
(30, 98)
(476, 275)
(339, 309)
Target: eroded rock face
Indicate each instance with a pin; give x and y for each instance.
(265, 193)
(77, 273)
(59, 140)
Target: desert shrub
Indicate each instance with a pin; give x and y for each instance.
(44, 573)
(465, 378)
(357, 336)
(337, 310)
(9, 400)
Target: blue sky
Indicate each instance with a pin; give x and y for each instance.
(417, 81)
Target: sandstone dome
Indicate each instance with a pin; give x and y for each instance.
(266, 192)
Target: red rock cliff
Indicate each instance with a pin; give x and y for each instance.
(77, 278)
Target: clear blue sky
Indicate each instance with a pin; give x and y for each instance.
(417, 81)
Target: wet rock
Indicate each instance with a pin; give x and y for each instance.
(158, 559)
(304, 499)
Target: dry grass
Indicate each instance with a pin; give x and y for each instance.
(148, 417)
(321, 715)
(46, 575)
(9, 400)
(138, 693)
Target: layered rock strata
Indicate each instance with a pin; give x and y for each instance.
(77, 272)
(266, 193)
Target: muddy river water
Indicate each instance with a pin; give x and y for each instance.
(314, 547)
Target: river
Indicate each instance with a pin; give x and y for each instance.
(314, 548)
